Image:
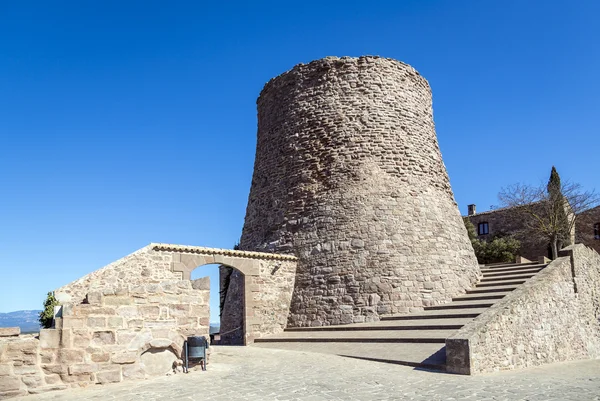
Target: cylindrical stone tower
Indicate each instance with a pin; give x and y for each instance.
(349, 177)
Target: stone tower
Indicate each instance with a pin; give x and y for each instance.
(349, 178)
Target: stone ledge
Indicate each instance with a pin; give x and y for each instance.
(10, 331)
(216, 251)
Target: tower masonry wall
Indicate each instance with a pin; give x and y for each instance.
(349, 178)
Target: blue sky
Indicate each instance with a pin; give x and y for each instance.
(125, 123)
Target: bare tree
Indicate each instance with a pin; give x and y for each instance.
(548, 213)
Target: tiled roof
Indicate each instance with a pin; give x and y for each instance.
(217, 251)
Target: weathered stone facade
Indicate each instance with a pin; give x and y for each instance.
(553, 317)
(349, 177)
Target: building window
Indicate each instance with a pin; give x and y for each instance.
(483, 229)
(597, 231)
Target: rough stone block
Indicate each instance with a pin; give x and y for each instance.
(124, 357)
(45, 389)
(69, 356)
(118, 301)
(49, 338)
(53, 379)
(48, 356)
(81, 338)
(10, 384)
(26, 369)
(100, 357)
(95, 322)
(160, 324)
(58, 369)
(66, 338)
(134, 371)
(202, 283)
(199, 311)
(81, 368)
(103, 338)
(179, 310)
(109, 376)
(94, 298)
(140, 340)
(128, 311)
(115, 322)
(6, 369)
(26, 346)
(186, 321)
(149, 311)
(82, 378)
(160, 343)
(135, 323)
(73, 322)
(33, 381)
(9, 331)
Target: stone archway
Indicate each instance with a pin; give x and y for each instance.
(248, 268)
(267, 280)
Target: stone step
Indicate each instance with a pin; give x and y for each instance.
(430, 324)
(506, 278)
(462, 305)
(415, 324)
(500, 288)
(508, 269)
(465, 313)
(361, 336)
(479, 297)
(499, 283)
(428, 356)
(502, 265)
(508, 273)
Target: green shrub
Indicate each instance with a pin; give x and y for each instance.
(501, 249)
(47, 315)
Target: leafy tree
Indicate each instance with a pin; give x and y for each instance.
(501, 248)
(47, 315)
(548, 212)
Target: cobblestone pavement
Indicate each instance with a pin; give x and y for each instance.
(247, 373)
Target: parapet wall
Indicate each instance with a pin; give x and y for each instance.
(128, 334)
(349, 177)
(553, 317)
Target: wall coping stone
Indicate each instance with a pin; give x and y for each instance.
(217, 251)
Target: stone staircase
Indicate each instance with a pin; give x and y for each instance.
(416, 339)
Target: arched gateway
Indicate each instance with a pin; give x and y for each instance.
(147, 302)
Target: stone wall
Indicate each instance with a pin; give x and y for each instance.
(21, 370)
(117, 335)
(553, 317)
(129, 320)
(143, 266)
(585, 228)
(349, 177)
(269, 295)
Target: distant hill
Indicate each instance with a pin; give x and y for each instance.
(27, 320)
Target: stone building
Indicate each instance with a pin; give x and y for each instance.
(507, 221)
(349, 178)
